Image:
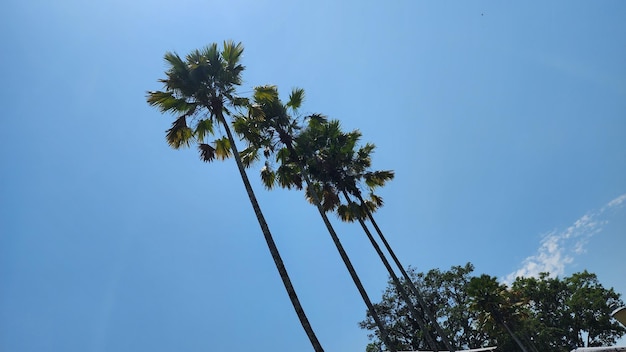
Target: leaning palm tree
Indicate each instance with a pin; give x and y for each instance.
(199, 90)
(269, 126)
(339, 169)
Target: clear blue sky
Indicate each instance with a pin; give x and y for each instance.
(505, 124)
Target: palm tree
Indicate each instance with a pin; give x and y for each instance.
(338, 169)
(199, 90)
(270, 127)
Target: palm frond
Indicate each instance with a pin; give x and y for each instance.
(208, 60)
(265, 94)
(204, 128)
(178, 76)
(210, 52)
(245, 128)
(372, 204)
(330, 199)
(310, 189)
(240, 102)
(201, 74)
(349, 141)
(255, 112)
(268, 176)
(254, 131)
(376, 200)
(232, 52)
(179, 135)
(167, 102)
(231, 55)
(175, 62)
(350, 212)
(296, 98)
(333, 128)
(368, 148)
(249, 156)
(363, 156)
(378, 178)
(344, 214)
(317, 118)
(207, 152)
(288, 176)
(284, 156)
(222, 148)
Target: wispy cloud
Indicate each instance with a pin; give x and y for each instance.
(558, 248)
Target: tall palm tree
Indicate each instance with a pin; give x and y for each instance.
(338, 169)
(269, 126)
(199, 90)
(348, 170)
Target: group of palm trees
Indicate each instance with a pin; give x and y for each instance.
(310, 153)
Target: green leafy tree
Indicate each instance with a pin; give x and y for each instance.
(535, 314)
(200, 91)
(495, 306)
(590, 305)
(570, 312)
(446, 290)
(546, 299)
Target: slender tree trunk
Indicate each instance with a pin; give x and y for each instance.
(270, 241)
(418, 317)
(406, 276)
(339, 246)
(348, 263)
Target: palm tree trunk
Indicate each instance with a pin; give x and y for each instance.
(339, 246)
(270, 242)
(418, 317)
(406, 276)
(348, 264)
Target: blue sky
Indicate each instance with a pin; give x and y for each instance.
(505, 125)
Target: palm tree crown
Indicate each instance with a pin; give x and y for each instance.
(270, 126)
(337, 167)
(199, 89)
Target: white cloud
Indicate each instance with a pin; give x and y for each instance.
(558, 248)
(617, 201)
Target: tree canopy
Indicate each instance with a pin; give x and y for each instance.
(531, 314)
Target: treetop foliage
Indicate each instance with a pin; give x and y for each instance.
(532, 314)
